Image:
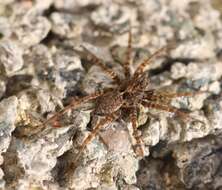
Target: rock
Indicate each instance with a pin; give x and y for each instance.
(66, 25)
(74, 5)
(11, 57)
(8, 113)
(198, 163)
(43, 68)
(31, 30)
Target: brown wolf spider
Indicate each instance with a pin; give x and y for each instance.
(127, 97)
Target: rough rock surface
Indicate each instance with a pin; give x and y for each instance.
(43, 67)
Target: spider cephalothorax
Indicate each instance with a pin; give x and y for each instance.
(130, 93)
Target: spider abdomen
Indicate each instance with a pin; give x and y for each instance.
(109, 103)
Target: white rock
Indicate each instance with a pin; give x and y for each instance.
(11, 56)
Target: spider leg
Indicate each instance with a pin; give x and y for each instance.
(100, 63)
(73, 165)
(147, 61)
(166, 97)
(158, 97)
(128, 56)
(180, 94)
(105, 121)
(76, 102)
(168, 108)
(53, 121)
(138, 147)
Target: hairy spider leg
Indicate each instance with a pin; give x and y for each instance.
(100, 63)
(138, 147)
(170, 109)
(128, 56)
(166, 98)
(76, 102)
(105, 121)
(153, 96)
(141, 68)
(181, 94)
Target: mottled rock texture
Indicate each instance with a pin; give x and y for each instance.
(43, 67)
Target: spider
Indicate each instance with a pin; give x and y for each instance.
(129, 94)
